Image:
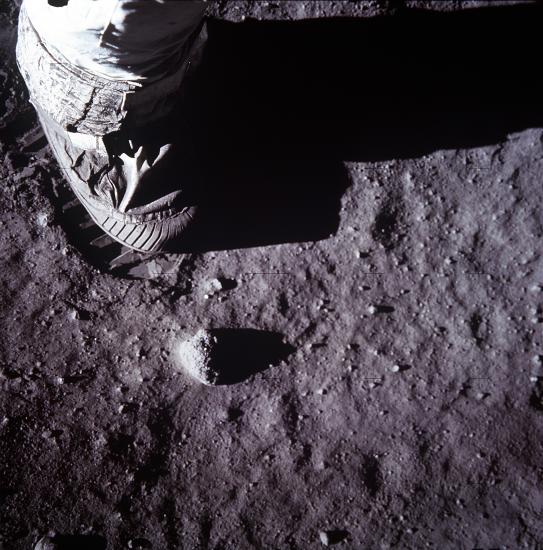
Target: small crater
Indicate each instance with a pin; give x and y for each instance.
(371, 475)
(476, 326)
(283, 304)
(380, 309)
(234, 414)
(120, 445)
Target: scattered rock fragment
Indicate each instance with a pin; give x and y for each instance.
(42, 219)
(334, 536)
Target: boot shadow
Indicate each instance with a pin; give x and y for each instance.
(277, 107)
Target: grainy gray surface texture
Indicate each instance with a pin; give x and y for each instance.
(381, 177)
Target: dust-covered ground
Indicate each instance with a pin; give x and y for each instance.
(373, 261)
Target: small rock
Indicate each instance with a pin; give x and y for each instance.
(196, 357)
(215, 285)
(335, 536)
(323, 538)
(395, 368)
(43, 219)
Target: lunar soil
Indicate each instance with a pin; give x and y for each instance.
(365, 286)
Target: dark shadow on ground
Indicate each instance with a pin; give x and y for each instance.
(241, 353)
(276, 107)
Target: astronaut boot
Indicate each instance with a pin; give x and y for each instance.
(116, 141)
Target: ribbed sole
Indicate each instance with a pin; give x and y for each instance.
(108, 255)
(145, 237)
